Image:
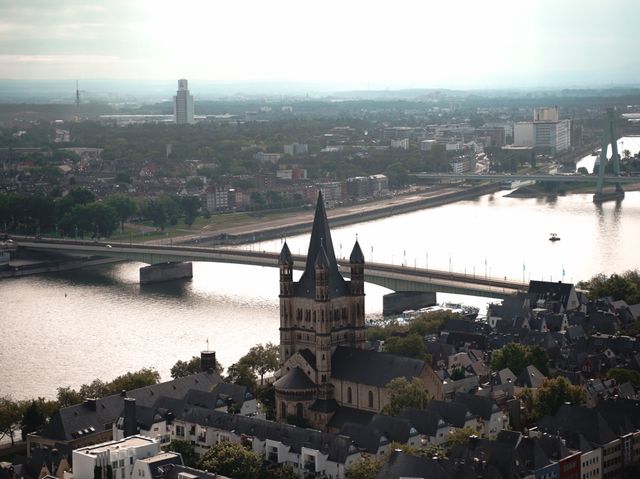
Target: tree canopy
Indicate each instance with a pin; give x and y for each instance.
(517, 356)
(404, 394)
(625, 286)
(186, 368)
(232, 460)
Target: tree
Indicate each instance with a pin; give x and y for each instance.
(135, 380)
(10, 417)
(185, 449)
(457, 374)
(552, 393)
(405, 394)
(232, 460)
(190, 206)
(517, 356)
(124, 206)
(621, 287)
(411, 346)
(35, 415)
(459, 437)
(185, 368)
(262, 359)
(282, 471)
(242, 374)
(624, 375)
(366, 468)
(68, 397)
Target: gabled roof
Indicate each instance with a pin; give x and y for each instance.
(372, 368)
(479, 405)
(530, 377)
(367, 437)
(321, 239)
(550, 291)
(452, 413)
(397, 429)
(94, 417)
(426, 422)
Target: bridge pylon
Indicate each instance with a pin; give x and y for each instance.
(608, 138)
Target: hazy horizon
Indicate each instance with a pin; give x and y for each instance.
(404, 45)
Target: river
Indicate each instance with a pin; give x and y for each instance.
(67, 329)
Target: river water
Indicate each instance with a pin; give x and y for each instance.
(67, 329)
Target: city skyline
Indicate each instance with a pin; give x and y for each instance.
(407, 45)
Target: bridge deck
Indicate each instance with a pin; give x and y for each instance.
(397, 278)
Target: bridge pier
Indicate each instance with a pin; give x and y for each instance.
(396, 303)
(160, 272)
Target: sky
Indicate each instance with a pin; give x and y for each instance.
(360, 44)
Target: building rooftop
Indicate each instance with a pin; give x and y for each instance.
(126, 443)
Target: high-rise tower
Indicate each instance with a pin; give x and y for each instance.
(183, 104)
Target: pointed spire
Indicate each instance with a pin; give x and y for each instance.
(357, 257)
(285, 255)
(320, 236)
(321, 259)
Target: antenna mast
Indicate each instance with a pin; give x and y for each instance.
(77, 102)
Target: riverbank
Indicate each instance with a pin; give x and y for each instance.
(300, 223)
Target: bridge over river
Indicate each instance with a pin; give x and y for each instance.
(394, 277)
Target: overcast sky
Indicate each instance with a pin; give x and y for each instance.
(375, 44)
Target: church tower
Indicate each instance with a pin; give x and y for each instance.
(318, 313)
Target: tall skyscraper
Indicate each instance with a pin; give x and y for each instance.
(183, 104)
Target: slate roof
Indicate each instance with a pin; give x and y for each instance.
(571, 421)
(426, 422)
(172, 473)
(372, 368)
(367, 438)
(295, 379)
(96, 416)
(452, 413)
(530, 377)
(321, 239)
(549, 292)
(356, 254)
(309, 357)
(401, 465)
(345, 414)
(337, 447)
(479, 405)
(397, 429)
(635, 310)
(285, 255)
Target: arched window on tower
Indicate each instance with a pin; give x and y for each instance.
(370, 398)
(349, 398)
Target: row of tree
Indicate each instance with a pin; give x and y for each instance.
(79, 213)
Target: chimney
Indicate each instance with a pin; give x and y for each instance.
(207, 361)
(130, 419)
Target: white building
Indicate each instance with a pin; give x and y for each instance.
(295, 149)
(331, 191)
(120, 456)
(403, 144)
(427, 145)
(545, 131)
(183, 104)
(263, 157)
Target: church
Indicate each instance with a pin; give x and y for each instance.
(327, 376)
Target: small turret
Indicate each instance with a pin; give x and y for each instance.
(285, 261)
(356, 260)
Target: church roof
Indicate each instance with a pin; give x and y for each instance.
(371, 367)
(285, 255)
(295, 379)
(321, 239)
(357, 256)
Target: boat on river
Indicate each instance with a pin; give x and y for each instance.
(554, 237)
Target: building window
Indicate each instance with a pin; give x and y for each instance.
(299, 410)
(370, 398)
(283, 410)
(349, 398)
